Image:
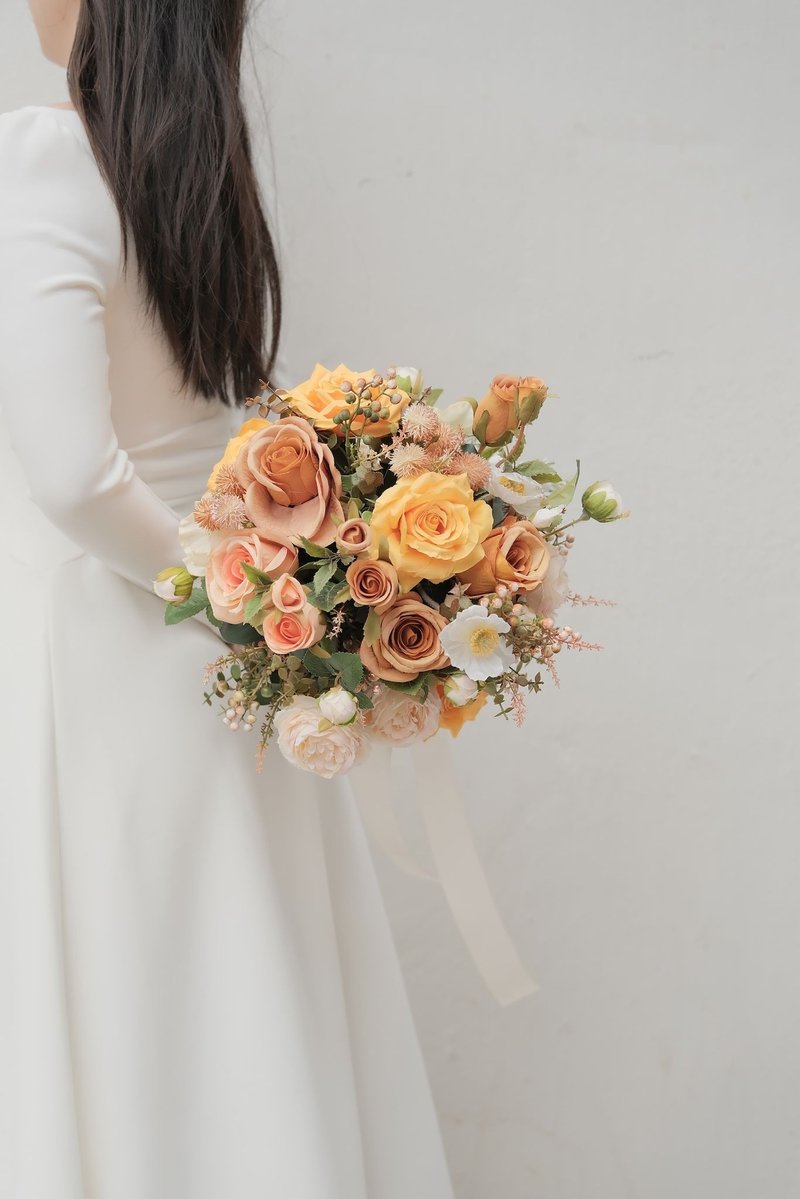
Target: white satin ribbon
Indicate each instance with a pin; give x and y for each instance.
(458, 867)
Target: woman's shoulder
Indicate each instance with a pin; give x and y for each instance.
(48, 174)
(41, 125)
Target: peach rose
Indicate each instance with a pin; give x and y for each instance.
(288, 594)
(288, 632)
(292, 486)
(499, 403)
(514, 552)
(453, 718)
(401, 719)
(246, 431)
(372, 583)
(321, 397)
(431, 526)
(353, 537)
(408, 643)
(227, 585)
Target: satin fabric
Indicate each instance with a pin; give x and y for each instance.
(200, 993)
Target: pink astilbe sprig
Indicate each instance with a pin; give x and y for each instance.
(519, 706)
(589, 601)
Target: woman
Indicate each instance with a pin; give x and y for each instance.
(200, 993)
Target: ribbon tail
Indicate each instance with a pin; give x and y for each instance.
(371, 783)
(462, 876)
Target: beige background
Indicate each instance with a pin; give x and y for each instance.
(607, 195)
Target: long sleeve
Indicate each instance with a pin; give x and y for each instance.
(60, 253)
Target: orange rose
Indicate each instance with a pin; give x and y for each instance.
(499, 403)
(321, 397)
(514, 552)
(372, 583)
(353, 537)
(430, 526)
(453, 718)
(246, 431)
(408, 643)
(292, 486)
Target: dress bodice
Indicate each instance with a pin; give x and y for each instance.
(94, 427)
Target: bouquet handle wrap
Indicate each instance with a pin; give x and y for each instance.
(458, 866)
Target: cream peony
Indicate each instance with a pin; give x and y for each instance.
(312, 743)
(400, 719)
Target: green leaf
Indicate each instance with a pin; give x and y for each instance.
(193, 604)
(239, 634)
(320, 667)
(211, 618)
(433, 395)
(324, 574)
(372, 627)
(255, 575)
(253, 607)
(404, 383)
(539, 471)
(413, 687)
(326, 598)
(499, 511)
(350, 669)
(364, 700)
(313, 550)
(480, 427)
(563, 495)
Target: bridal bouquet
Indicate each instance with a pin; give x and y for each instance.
(380, 568)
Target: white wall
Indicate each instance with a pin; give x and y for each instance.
(607, 195)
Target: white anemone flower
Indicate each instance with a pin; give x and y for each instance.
(524, 495)
(474, 643)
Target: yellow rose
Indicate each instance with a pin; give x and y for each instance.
(246, 431)
(321, 397)
(431, 527)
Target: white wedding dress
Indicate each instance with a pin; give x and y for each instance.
(200, 995)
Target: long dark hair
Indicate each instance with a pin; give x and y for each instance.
(157, 84)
